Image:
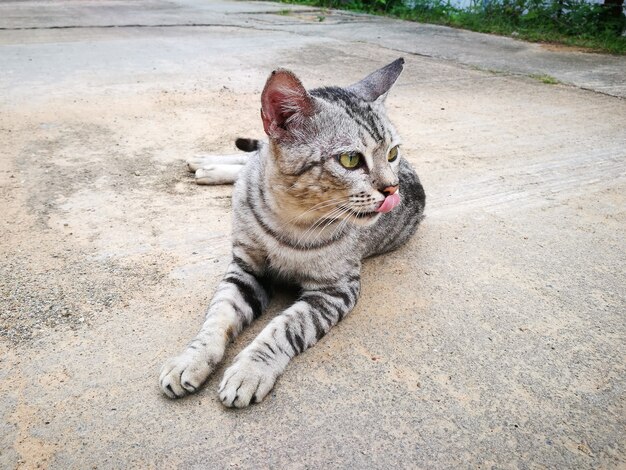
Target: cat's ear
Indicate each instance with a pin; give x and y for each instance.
(377, 84)
(284, 104)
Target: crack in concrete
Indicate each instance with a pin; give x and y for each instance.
(495, 72)
(284, 28)
(111, 26)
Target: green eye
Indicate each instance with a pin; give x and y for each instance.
(350, 160)
(393, 154)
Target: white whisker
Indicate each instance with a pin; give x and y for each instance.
(319, 205)
(332, 214)
(341, 211)
(343, 223)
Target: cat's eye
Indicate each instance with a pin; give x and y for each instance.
(350, 160)
(393, 154)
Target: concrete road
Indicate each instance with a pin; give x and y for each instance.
(495, 339)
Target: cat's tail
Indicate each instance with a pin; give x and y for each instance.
(248, 145)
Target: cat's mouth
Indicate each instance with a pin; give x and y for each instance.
(360, 216)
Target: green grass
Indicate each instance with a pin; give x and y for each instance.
(545, 78)
(568, 22)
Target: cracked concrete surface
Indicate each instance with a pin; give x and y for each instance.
(495, 339)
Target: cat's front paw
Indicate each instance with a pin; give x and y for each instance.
(184, 374)
(246, 382)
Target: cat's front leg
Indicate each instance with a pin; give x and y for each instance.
(257, 367)
(240, 298)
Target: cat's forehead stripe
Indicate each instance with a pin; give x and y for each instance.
(359, 111)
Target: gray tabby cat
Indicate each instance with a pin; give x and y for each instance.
(308, 206)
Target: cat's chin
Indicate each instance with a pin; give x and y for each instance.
(364, 219)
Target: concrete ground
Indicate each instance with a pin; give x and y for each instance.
(494, 339)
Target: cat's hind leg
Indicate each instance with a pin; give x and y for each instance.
(204, 160)
(216, 169)
(218, 174)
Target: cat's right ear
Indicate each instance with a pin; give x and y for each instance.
(285, 104)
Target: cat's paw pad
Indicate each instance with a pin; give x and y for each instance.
(246, 382)
(184, 374)
(202, 161)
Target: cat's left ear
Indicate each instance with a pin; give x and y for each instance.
(285, 104)
(377, 84)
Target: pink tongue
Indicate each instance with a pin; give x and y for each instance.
(389, 203)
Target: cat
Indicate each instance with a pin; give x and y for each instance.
(328, 189)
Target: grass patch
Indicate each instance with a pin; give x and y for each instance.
(570, 22)
(545, 78)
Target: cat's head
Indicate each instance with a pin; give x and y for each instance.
(334, 151)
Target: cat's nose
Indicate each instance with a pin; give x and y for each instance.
(389, 190)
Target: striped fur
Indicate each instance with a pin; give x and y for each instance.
(301, 217)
